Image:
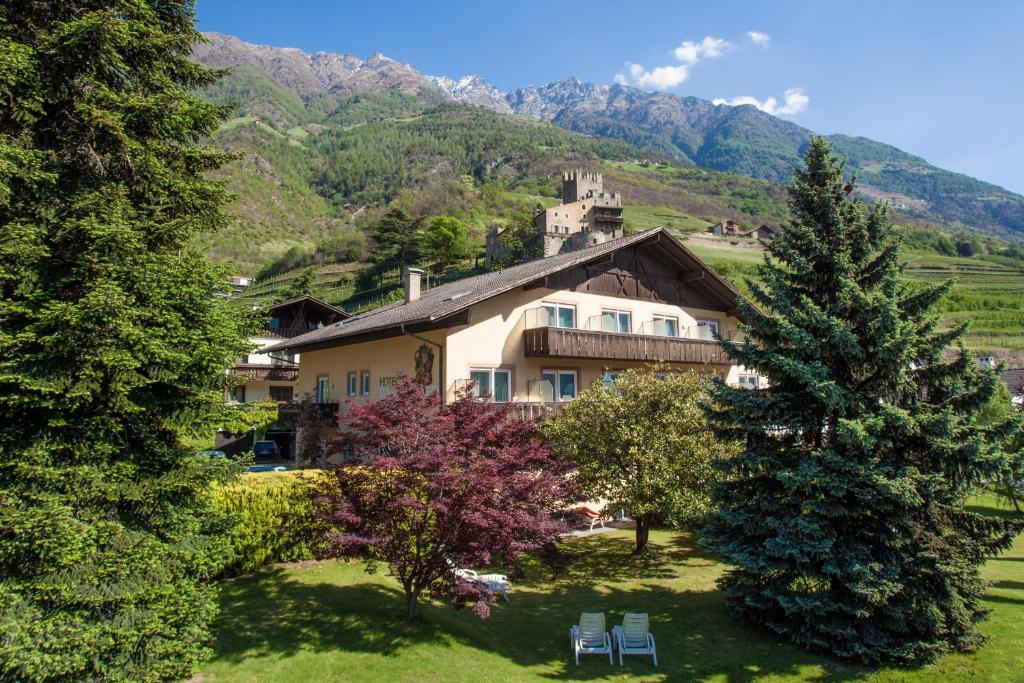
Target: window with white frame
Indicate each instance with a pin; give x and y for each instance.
(350, 385)
(616, 321)
(666, 326)
(707, 329)
(364, 383)
(748, 381)
(560, 315)
(562, 384)
(493, 382)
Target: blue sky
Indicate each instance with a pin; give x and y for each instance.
(944, 80)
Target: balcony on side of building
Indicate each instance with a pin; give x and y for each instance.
(547, 336)
(266, 373)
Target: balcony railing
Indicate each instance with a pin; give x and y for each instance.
(266, 373)
(558, 342)
(281, 332)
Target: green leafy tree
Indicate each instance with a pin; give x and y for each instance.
(643, 442)
(113, 341)
(843, 516)
(447, 238)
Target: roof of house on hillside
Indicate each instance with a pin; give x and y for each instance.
(1015, 380)
(309, 301)
(447, 300)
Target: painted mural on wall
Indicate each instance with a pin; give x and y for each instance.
(425, 363)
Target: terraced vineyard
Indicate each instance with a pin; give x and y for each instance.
(988, 292)
(989, 295)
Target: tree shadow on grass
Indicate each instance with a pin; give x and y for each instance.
(271, 612)
(283, 611)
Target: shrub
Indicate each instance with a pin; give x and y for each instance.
(264, 506)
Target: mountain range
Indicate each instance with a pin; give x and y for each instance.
(735, 139)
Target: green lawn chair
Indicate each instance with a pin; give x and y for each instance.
(589, 637)
(634, 636)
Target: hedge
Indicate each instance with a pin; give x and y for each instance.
(269, 509)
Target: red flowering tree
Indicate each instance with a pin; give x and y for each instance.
(440, 487)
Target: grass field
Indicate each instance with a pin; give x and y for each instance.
(332, 621)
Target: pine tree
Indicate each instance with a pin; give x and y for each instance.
(843, 516)
(112, 342)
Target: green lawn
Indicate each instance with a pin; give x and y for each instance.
(332, 621)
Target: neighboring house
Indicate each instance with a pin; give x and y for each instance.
(274, 376)
(536, 334)
(587, 215)
(764, 232)
(727, 228)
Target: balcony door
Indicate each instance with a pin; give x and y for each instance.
(560, 315)
(616, 321)
(323, 389)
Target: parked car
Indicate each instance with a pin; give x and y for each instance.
(266, 450)
(267, 468)
(212, 454)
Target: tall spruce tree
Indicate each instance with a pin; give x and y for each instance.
(843, 516)
(112, 341)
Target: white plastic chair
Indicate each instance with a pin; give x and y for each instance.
(496, 583)
(589, 637)
(634, 636)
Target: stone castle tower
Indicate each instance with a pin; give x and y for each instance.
(578, 184)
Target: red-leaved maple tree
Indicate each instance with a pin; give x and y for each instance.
(436, 487)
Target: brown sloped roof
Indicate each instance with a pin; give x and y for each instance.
(1014, 379)
(323, 305)
(450, 299)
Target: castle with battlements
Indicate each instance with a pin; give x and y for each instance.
(588, 215)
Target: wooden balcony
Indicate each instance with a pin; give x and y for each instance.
(281, 332)
(267, 373)
(559, 342)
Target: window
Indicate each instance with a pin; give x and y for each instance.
(281, 394)
(323, 389)
(707, 329)
(562, 384)
(238, 393)
(351, 384)
(364, 383)
(609, 378)
(561, 315)
(665, 326)
(493, 382)
(748, 381)
(616, 321)
(243, 360)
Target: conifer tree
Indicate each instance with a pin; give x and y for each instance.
(843, 516)
(112, 341)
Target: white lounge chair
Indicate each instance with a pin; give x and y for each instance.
(589, 637)
(496, 583)
(634, 636)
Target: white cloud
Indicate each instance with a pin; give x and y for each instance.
(795, 101)
(760, 38)
(689, 52)
(660, 77)
(669, 76)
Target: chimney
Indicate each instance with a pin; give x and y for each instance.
(411, 282)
